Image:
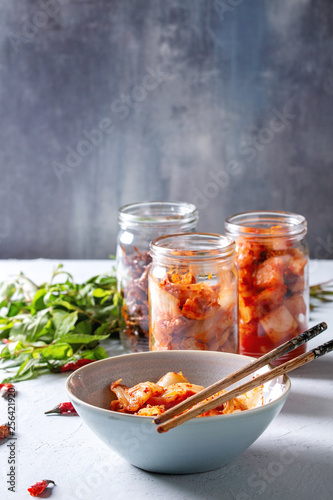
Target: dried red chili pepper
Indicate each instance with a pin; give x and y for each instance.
(63, 409)
(6, 390)
(39, 487)
(75, 365)
(4, 431)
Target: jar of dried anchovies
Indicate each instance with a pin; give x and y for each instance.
(140, 223)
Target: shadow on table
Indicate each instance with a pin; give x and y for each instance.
(319, 369)
(309, 404)
(284, 473)
(46, 493)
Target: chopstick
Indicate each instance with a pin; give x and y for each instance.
(242, 372)
(262, 379)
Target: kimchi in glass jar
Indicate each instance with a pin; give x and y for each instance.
(140, 223)
(273, 289)
(193, 293)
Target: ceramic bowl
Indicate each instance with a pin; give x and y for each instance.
(198, 445)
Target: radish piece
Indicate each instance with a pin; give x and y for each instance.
(297, 264)
(295, 305)
(269, 273)
(278, 324)
(270, 298)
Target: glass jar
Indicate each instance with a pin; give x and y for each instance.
(273, 289)
(193, 293)
(140, 223)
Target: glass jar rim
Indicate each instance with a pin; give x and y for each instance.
(259, 224)
(193, 247)
(158, 213)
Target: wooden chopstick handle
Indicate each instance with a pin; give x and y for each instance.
(243, 372)
(261, 379)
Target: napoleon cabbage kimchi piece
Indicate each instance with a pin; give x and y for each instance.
(152, 399)
(186, 314)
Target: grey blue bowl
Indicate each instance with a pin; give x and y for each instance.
(199, 445)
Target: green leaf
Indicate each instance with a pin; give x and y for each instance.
(4, 353)
(5, 329)
(28, 374)
(14, 309)
(63, 322)
(4, 321)
(104, 313)
(80, 338)
(99, 292)
(38, 300)
(109, 281)
(57, 351)
(83, 327)
(101, 330)
(17, 331)
(11, 350)
(7, 290)
(97, 353)
(65, 303)
(85, 290)
(49, 298)
(36, 327)
(27, 366)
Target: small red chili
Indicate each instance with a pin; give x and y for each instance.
(39, 487)
(4, 431)
(74, 366)
(63, 409)
(6, 389)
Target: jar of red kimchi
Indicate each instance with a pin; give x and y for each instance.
(273, 289)
(193, 293)
(140, 223)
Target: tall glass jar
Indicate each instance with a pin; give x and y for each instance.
(273, 289)
(140, 223)
(193, 293)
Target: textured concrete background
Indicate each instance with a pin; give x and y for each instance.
(227, 104)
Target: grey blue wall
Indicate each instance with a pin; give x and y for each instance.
(227, 104)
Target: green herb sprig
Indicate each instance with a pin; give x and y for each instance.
(44, 327)
(321, 294)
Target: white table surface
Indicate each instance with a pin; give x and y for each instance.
(293, 459)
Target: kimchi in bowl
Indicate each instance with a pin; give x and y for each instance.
(201, 444)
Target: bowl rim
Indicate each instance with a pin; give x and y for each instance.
(241, 414)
